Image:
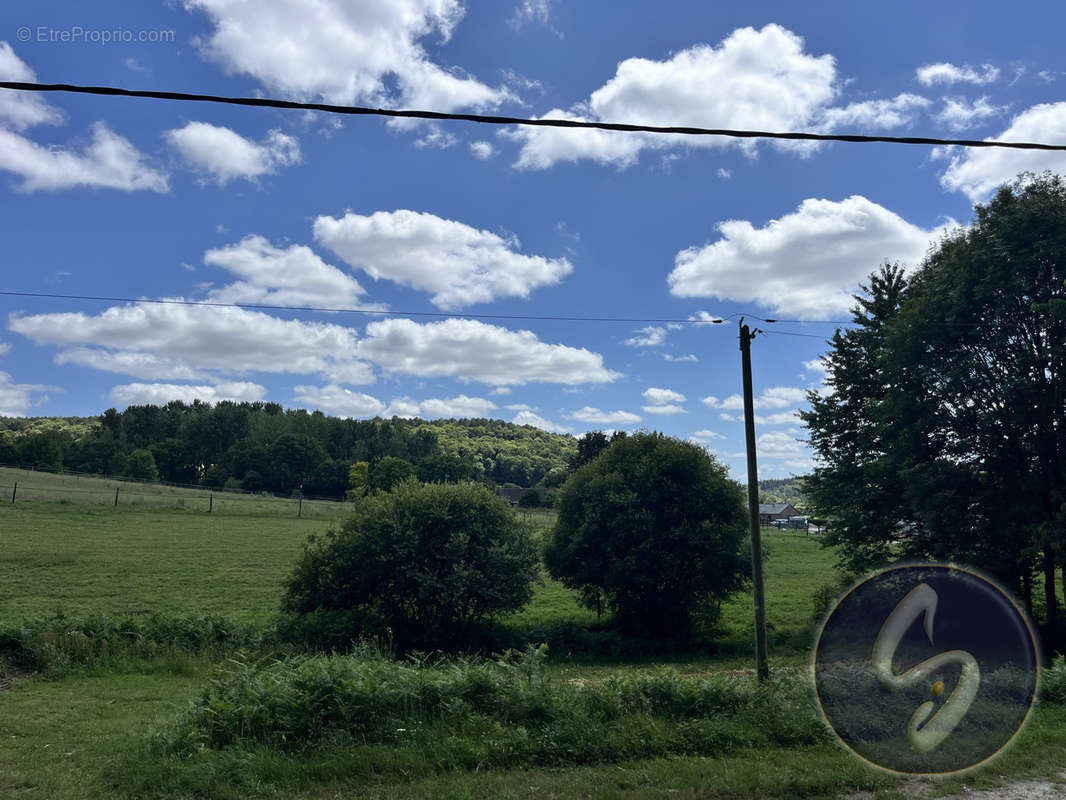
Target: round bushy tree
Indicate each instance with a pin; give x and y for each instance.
(428, 561)
(653, 526)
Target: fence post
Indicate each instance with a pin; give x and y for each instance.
(300, 508)
(13, 490)
(210, 503)
(116, 497)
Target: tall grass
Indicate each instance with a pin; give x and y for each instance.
(59, 644)
(490, 712)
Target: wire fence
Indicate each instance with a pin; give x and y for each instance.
(39, 486)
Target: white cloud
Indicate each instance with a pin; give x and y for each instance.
(778, 444)
(771, 397)
(663, 396)
(687, 358)
(754, 79)
(529, 418)
(344, 52)
(724, 174)
(21, 110)
(128, 362)
(946, 73)
(520, 407)
(664, 409)
(5, 348)
(650, 336)
(978, 172)
(473, 351)
(531, 11)
(705, 435)
(338, 401)
(482, 150)
(108, 161)
(436, 138)
(594, 416)
(222, 340)
(17, 398)
(806, 264)
(225, 155)
(875, 114)
(816, 365)
(157, 394)
(960, 114)
(293, 276)
(706, 318)
(458, 407)
(402, 407)
(501, 391)
(459, 264)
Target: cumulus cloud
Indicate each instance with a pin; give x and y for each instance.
(225, 155)
(482, 150)
(778, 444)
(650, 336)
(474, 351)
(959, 113)
(663, 396)
(978, 172)
(704, 436)
(945, 73)
(21, 110)
(754, 79)
(686, 358)
(669, 408)
(157, 394)
(771, 397)
(595, 416)
(460, 265)
(129, 362)
(529, 418)
(5, 348)
(808, 263)
(344, 52)
(108, 161)
(780, 418)
(293, 276)
(882, 114)
(338, 401)
(458, 407)
(17, 398)
(180, 338)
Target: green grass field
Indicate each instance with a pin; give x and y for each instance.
(46, 488)
(86, 732)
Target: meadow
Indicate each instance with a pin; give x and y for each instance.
(200, 701)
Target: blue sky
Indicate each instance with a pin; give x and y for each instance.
(152, 199)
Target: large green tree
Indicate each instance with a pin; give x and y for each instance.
(654, 526)
(426, 560)
(953, 403)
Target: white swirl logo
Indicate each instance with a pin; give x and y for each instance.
(927, 699)
(922, 599)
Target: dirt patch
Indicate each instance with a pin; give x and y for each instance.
(918, 788)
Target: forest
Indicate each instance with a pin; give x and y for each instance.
(262, 447)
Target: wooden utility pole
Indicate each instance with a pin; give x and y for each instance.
(761, 659)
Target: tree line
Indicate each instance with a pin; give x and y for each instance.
(263, 447)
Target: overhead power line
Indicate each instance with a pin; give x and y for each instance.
(266, 102)
(459, 315)
(317, 309)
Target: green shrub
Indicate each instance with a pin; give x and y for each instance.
(59, 643)
(655, 527)
(428, 562)
(1053, 681)
(503, 710)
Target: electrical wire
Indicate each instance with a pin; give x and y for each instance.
(263, 306)
(266, 102)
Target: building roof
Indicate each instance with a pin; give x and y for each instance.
(773, 508)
